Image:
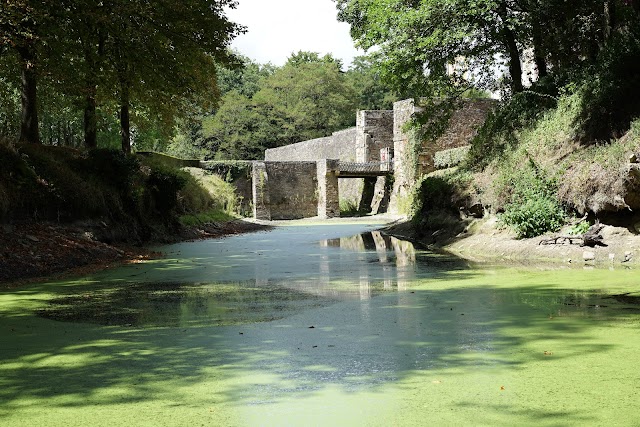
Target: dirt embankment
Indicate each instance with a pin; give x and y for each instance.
(33, 251)
(483, 241)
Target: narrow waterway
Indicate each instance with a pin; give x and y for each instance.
(325, 325)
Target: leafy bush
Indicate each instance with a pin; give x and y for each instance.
(230, 170)
(441, 192)
(348, 207)
(610, 90)
(579, 228)
(164, 184)
(533, 217)
(113, 167)
(533, 208)
(205, 191)
(501, 128)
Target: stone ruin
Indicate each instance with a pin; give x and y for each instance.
(365, 166)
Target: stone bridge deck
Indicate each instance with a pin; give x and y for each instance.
(364, 170)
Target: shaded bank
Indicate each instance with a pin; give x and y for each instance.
(39, 250)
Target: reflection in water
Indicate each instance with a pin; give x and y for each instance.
(396, 257)
(463, 347)
(272, 283)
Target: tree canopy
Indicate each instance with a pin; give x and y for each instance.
(267, 106)
(435, 47)
(156, 59)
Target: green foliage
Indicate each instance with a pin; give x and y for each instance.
(349, 207)
(246, 78)
(435, 193)
(52, 183)
(449, 158)
(579, 229)
(164, 184)
(372, 92)
(213, 193)
(230, 170)
(436, 202)
(157, 59)
(609, 91)
(533, 216)
(502, 127)
(309, 97)
(113, 167)
(532, 208)
(205, 218)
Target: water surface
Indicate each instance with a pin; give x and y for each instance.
(321, 325)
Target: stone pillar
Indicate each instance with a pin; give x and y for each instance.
(403, 169)
(328, 195)
(361, 137)
(260, 189)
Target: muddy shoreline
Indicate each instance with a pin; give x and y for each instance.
(482, 240)
(32, 252)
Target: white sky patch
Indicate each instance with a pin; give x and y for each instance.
(278, 28)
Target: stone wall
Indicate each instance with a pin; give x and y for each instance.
(260, 190)
(374, 131)
(404, 173)
(285, 190)
(340, 145)
(462, 128)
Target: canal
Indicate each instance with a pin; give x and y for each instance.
(332, 325)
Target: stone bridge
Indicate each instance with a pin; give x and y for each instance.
(310, 178)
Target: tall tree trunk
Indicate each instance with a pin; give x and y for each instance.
(515, 68)
(93, 60)
(509, 39)
(29, 131)
(90, 119)
(610, 19)
(125, 125)
(538, 50)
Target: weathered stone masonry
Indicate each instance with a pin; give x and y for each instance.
(285, 190)
(303, 179)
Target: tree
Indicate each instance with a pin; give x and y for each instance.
(309, 97)
(372, 92)
(21, 23)
(157, 57)
(163, 54)
(245, 76)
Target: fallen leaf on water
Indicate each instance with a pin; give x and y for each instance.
(501, 387)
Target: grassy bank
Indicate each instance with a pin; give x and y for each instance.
(566, 148)
(140, 199)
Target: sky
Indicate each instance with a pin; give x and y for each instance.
(278, 28)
